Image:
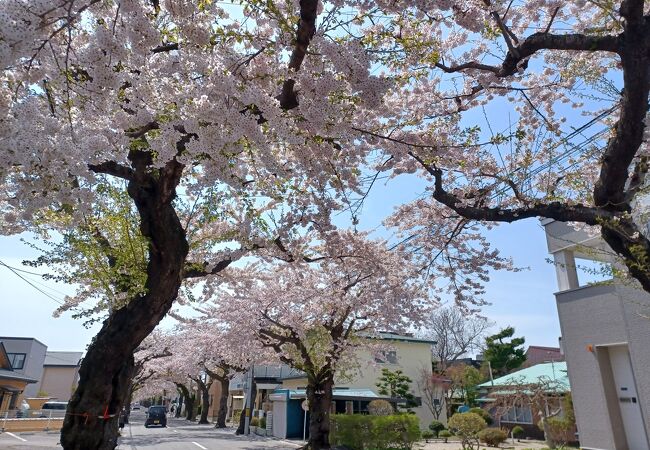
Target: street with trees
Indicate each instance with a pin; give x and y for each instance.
(228, 132)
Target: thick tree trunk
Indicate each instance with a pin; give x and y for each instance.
(223, 403)
(242, 417)
(91, 422)
(205, 404)
(319, 396)
(205, 400)
(190, 407)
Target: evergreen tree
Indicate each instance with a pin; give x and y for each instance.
(396, 385)
(504, 352)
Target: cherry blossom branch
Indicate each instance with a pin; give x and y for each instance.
(112, 168)
(197, 270)
(165, 48)
(554, 210)
(306, 30)
(537, 42)
(628, 136)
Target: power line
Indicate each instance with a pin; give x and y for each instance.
(47, 294)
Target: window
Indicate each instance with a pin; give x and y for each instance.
(518, 414)
(17, 360)
(386, 357)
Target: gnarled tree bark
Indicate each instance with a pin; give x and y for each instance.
(107, 369)
(319, 398)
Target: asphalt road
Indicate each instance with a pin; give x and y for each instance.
(179, 435)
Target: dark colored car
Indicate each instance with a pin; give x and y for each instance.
(156, 415)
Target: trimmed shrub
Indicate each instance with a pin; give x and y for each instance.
(492, 436)
(426, 435)
(380, 408)
(361, 432)
(262, 422)
(467, 426)
(255, 421)
(518, 432)
(445, 434)
(436, 427)
(483, 413)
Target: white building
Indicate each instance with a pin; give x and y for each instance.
(606, 339)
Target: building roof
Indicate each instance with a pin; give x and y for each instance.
(11, 375)
(20, 338)
(555, 374)
(403, 337)
(295, 376)
(536, 354)
(62, 358)
(337, 393)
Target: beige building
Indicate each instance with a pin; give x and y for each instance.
(60, 374)
(352, 394)
(605, 337)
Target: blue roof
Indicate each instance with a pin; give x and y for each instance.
(553, 374)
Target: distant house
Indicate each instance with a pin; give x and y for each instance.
(536, 354)
(351, 396)
(27, 356)
(476, 363)
(267, 378)
(60, 374)
(606, 341)
(54, 373)
(513, 396)
(12, 383)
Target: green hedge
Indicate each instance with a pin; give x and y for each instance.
(361, 432)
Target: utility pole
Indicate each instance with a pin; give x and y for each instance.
(249, 403)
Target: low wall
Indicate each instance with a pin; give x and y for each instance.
(31, 424)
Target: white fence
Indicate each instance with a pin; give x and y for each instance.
(17, 415)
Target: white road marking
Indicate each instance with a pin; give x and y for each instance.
(175, 431)
(14, 436)
(199, 445)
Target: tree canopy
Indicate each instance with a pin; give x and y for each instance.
(504, 352)
(237, 131)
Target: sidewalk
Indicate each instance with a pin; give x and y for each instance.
(455, 445)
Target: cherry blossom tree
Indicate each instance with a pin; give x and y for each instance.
(237, 130)
(315, 312)
(161, 100)
(147, 356)
(218, 352)
(573, 145)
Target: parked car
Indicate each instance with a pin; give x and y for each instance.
(55, 405)
(135, 406)
(156, 415)
(53, 409)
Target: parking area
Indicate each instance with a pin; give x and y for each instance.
(178, 435)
